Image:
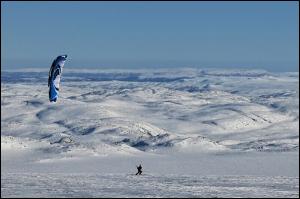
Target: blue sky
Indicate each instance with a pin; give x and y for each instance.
(151, 34)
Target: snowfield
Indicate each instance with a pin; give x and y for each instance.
(131, 186)
(197, 133)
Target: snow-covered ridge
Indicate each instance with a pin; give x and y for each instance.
(143, 111)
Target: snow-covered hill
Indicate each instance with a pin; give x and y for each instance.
(146, 113)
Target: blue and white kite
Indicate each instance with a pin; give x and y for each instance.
(54, 77)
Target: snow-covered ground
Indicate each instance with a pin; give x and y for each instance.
(203, 133)
(122, 185)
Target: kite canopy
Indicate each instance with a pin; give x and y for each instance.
(54, 77)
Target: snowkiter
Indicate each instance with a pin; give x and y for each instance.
(139, 168)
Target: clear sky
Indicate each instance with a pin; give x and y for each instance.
(151, 34)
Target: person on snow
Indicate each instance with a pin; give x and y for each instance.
(139, 168)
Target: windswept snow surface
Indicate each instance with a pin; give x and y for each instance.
(197, 133)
